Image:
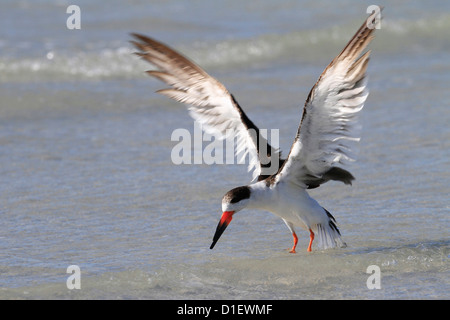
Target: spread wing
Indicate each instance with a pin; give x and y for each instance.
(210, 104)
(329, 126)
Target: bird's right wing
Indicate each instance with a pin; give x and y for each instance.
(210, 104)
(329, 126)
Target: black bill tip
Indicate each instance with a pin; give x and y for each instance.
(223, 224)
(220, 229)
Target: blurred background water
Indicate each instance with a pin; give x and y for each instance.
(85, 152)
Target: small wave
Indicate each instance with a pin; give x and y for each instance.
(395, 36)
(59, 66)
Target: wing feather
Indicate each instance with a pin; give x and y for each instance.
(210, 104)
(329, 130)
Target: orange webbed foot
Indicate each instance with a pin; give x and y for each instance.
(295, 243)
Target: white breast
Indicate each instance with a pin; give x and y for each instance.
(288, 202)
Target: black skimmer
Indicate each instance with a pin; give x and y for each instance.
(323, 141)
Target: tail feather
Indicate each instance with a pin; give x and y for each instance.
(328, 235)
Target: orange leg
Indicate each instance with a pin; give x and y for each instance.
(295, 243)
(311, 239)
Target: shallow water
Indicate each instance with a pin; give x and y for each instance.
(87, 176)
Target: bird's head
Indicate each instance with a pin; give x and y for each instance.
(232, 202)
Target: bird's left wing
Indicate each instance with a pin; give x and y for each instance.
(210, 104)
(329, 127)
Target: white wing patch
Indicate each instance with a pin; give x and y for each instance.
(329, 131)
(210, 104)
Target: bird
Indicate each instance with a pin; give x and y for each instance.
(322, 146)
